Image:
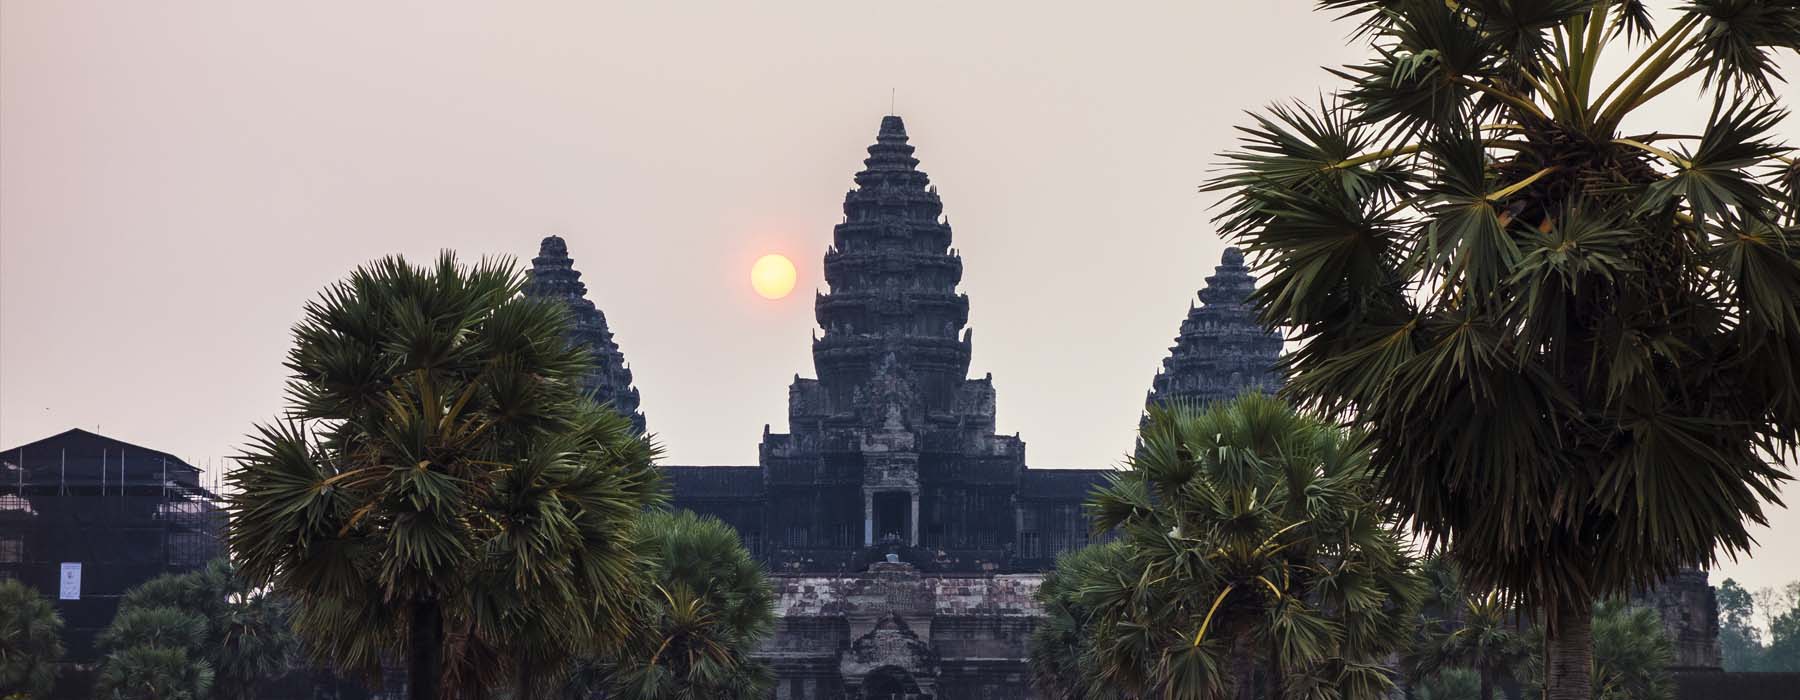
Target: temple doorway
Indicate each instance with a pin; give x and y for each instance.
(891, 683)
(893, 510)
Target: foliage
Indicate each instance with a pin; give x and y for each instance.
(1451, 684)
(30, 642)
(1254, 550)
(1783, 607)
(1741, 632)
(1576, 345)
(709, 606)
(248, 637)
(1061, 646)
(1740, 640)
(1632, 654)
(150, 672)
(1460, 631)
(440, 488)
(154, 653)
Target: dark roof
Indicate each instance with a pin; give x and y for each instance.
(689, 483)
(80, 456)
(1061, 484)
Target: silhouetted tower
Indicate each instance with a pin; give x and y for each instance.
(553, 276)
(892, 279)
(1221, 351)
(893, 446)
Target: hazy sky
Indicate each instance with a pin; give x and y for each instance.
(178, 178)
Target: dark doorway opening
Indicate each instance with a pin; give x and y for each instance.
(893, 510)
(891, 683)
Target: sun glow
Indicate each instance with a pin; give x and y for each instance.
(772, 276)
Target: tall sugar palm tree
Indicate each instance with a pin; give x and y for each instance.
(1259, 556)
(440, 491)
(1573, 336)
(30, 642)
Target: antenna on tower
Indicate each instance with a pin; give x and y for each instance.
(891, 93)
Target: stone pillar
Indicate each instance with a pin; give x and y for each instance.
(868, 518)
(913, 537)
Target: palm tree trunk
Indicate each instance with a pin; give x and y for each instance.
(1243, 666)
(1569, 670)
(425, 650)
(1487, 684)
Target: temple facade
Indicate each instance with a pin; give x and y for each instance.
(907, 538)
(553, 276)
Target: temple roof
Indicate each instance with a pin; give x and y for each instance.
(553, 275)
(713, 483)
(1061, 484)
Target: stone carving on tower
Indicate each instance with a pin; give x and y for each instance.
(1221, 351)
(892, 446)
(553, 276)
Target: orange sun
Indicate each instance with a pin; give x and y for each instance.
(772, 276)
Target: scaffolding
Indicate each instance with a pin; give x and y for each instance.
(121, 513)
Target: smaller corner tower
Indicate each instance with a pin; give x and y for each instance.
(553, 276)
(1222, 350)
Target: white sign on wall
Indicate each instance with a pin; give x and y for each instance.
(71, 581)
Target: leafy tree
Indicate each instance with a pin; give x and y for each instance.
(1574, 339)
(154, 653)
(1476, 633)
(1783, 608)
(1258, 551)
(441, 491)
(249, 637)
(30, 642)
(708, 607)
(1740, 640)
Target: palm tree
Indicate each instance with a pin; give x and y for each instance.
(708, 607)
(1574, 338)
(1061, 651)
(154, 653)
(1477, 632)
(250, 638)
(1632, 654)
(1258, 552)
(440, 491)
(30, 642)
(150, 672)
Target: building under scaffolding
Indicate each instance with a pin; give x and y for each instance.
(85, 517)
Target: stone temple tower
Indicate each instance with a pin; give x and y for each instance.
(553, 276)
(1221, 350)
(892, 446)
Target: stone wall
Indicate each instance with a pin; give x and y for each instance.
(893, 628)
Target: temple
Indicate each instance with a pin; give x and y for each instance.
(892, 449)
(907, 540)
(553, 276)
(1221, 350)
(907, 537)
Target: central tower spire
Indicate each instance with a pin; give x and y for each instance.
(892, 279)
